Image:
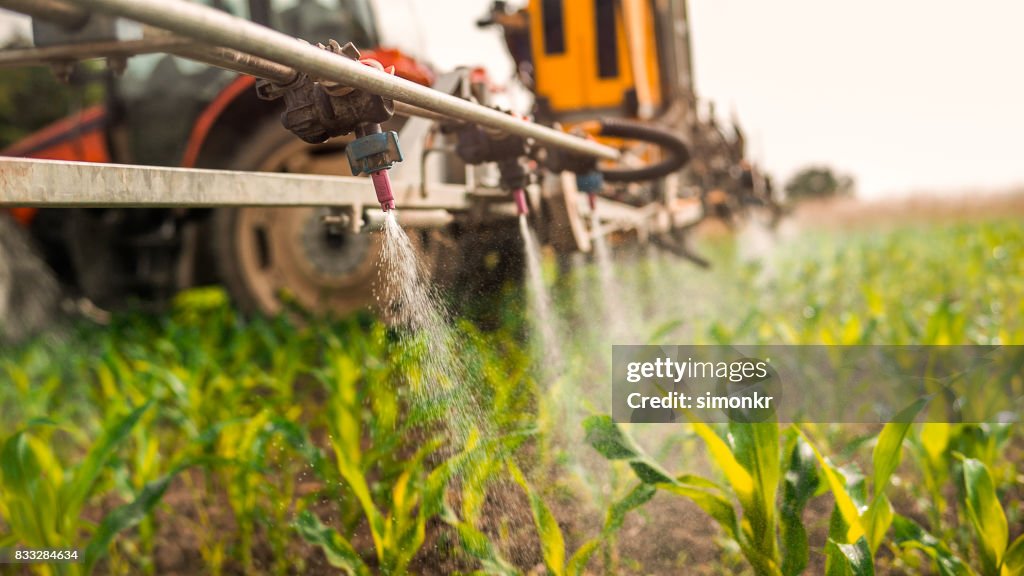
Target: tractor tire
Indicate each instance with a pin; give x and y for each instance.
(275, 259)
(29, 292)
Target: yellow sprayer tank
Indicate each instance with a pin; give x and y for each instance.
(595, 57)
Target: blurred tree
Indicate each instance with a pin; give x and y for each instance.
(818, 183)
(32, 97)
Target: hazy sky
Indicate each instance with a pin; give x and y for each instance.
(907, 95)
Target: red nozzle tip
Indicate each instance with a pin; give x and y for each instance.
(521, 206)
(382, 186)
(592, 198)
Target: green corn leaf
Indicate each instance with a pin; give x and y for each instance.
(1013, 561)
(935, 438)
(756, 446)
(608, 439)
(844, 502)
(552, 543)
(77, 490)
(849, 559)
(408, 517)
(889, 448)
(18, 464)
(739, 478)
(986, 514)
(876, 521)
(663, 331)
(715, 505)
(30, 499)
(346, 439)
(710, 498)
(124, 517)
(296, 437)
(338, 550)
(477, 544)
(617, 512)
(578, 563)
(908, 534)
(799, 485)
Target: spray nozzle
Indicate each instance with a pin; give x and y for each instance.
(382, 186)
(373, 153)
(522, 208)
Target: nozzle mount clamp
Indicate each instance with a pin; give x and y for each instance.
(373, 152)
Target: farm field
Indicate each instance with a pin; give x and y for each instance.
(200, 441)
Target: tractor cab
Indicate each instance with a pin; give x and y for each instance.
(158, 86)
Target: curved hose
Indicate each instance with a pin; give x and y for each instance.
(678, 152)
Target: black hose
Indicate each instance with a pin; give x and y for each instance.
(678, 152)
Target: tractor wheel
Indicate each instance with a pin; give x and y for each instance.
(29, 293)
(270, 257)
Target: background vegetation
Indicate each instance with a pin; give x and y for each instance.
(31, 98)
(818, 183)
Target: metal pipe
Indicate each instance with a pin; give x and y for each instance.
(236, 61)
(263, 68)
(403, 109)
(211, 26)
(88, 50)
(60, 13)
(411, 218)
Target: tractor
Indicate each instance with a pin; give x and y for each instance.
(617, 71)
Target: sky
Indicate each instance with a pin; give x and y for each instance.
(908, 96)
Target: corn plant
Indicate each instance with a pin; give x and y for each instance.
(42, 499)
(769, 532)
(752, 459)
(995, 554)
(381, 459)
(552, 540)
(863, 514)
(935, 447)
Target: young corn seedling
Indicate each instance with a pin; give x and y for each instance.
(995, 554)
(934, 448)
(749, 456)
(862, 517)
(42, 499)
(380, 455)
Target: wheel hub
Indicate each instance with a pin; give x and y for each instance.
(331, 252)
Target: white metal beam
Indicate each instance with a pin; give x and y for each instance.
(51, 183)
